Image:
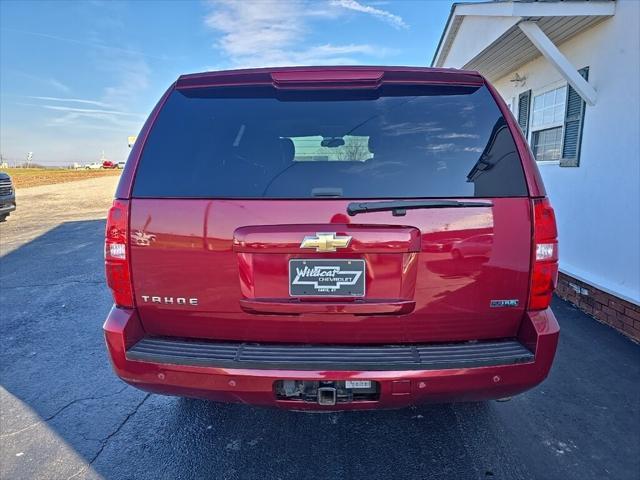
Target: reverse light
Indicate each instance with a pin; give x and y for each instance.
(545, 251)
(118, 250)
(116, 254)
(544, 274)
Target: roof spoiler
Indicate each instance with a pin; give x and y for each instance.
(304, 78)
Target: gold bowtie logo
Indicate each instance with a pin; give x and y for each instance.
(325, 242)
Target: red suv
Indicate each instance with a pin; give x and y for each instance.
(306, 238)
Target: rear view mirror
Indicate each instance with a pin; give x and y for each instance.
(332, 142)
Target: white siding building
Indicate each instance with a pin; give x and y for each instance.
(585, 134)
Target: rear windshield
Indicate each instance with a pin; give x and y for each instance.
(396, 142)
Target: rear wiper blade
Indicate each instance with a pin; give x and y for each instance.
(400, 207)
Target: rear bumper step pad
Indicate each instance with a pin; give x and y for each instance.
(329, 357)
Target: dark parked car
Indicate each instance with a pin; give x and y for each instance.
(295, 256)
(7, 196)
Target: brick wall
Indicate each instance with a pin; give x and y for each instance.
(622, 315)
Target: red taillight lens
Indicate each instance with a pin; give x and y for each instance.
(116, 254)
(544, 276)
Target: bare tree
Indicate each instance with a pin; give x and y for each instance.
(354, 149)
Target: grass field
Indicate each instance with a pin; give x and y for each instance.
(32, 177)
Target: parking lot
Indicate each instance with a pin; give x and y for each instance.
(65, 414)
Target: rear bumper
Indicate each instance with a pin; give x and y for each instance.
(407, 385)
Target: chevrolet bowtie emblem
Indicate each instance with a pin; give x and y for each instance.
(325, 242)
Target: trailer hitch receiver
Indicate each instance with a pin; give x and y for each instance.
(327, 396)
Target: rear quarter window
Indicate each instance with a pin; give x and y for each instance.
(396, 142)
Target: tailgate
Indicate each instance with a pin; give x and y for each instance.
(221, 269)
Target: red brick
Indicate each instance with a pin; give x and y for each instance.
(632, 331)
(600, 315)
(587, 301)
(624, 319)
(600, 297)
(606, 308)
(616, 305)
(614, 322)
(632, 313)
(586, 309)
(630, 305)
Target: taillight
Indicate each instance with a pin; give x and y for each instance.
(116, 254)
(544, 275)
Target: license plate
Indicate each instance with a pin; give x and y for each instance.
(357, 384)
(327, 278)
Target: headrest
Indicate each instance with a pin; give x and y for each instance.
(288, 149)
(379, 145)
(373, 143)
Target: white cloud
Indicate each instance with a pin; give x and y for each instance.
(88, 43)
(91, 121)
(458, 135)
(132, 78)
(269, 33)
(75, 121)
(394, 20)
(329, 49)
(89, 111)
(92, 118)
(44, 81)
(72, 100)
(58, 85)
(251, 26)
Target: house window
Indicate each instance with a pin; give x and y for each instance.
(547, 120)
(548, 107)
(547, 144)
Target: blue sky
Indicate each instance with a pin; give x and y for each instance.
(77, 78)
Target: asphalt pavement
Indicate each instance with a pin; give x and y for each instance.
(65, 415)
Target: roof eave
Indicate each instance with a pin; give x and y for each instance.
(519, 9)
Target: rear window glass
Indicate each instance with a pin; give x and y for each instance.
(396, 142)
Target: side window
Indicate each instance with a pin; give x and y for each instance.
(547, 120)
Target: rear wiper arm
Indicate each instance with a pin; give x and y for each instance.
(400, 207)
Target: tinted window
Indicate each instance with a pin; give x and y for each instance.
(398, 142)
